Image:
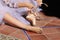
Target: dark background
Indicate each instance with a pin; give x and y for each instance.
(53, 8)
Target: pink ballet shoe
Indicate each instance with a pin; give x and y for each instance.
(31, 18)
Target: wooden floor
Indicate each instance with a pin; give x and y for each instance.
(50, 25)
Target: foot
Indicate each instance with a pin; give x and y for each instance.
(32, 19)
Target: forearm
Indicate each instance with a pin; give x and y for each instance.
(12, 21)
(28, 5)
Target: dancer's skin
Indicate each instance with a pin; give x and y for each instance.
(14, 22)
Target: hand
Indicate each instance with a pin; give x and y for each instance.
(39, 2)
(37, 29)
